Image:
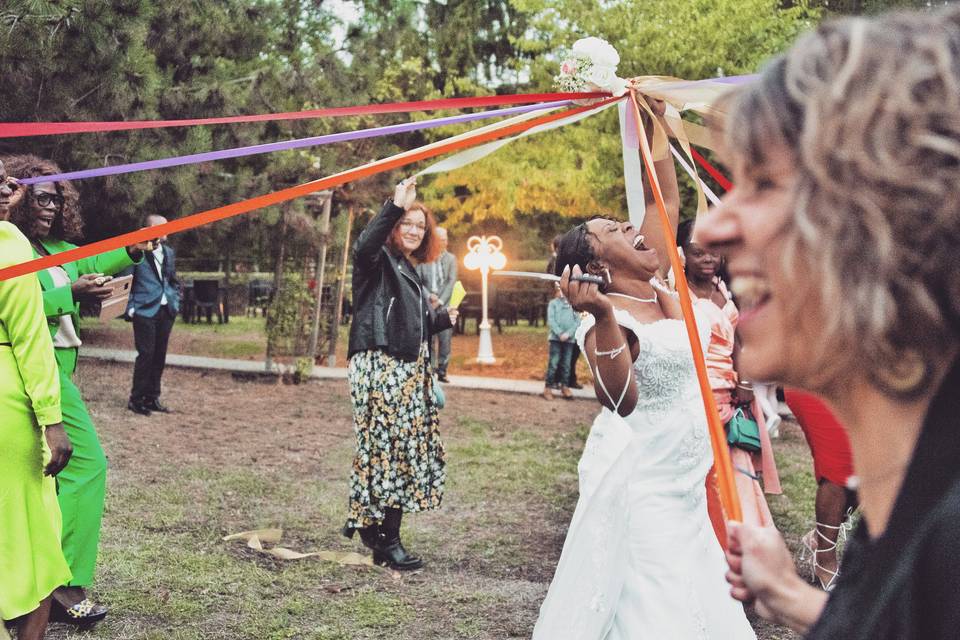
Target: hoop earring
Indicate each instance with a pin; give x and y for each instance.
(904, 374)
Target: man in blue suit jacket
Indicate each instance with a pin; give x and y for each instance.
(153, 306)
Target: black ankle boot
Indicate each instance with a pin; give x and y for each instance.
(392, 554)
(369, 535)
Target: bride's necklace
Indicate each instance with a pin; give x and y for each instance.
(623, 295)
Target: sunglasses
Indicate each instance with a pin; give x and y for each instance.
(45, 199)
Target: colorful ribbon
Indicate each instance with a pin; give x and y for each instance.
(20, 129)
(718, 441)
(711, 196)
(712, 170)
(455, 143)
(239, 152)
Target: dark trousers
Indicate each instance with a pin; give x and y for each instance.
(573, 364)
(151, 336)
(559, 362)
(440, 351)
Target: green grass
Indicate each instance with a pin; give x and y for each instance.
(491, 550)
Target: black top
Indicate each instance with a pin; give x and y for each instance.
(905, 585)
(390, 309)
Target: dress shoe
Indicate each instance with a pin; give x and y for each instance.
(84, 613)
(442, 377)
(138, 408)
(154, 404)
(576, 385)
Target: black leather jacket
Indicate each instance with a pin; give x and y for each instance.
(390, 308)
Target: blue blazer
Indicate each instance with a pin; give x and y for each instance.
(149, 287)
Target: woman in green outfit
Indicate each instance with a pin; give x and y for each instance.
(31, 561)
(48, 215)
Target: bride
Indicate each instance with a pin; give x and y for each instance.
(641, 559)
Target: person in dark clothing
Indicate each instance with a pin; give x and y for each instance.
(841, 235)
(153, 306)
(399, 465)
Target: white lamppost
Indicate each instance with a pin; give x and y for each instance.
(483, 252)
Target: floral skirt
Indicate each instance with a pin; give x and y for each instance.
(400, 459)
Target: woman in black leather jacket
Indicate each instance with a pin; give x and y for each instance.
(399, 465)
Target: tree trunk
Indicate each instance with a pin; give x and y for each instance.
(341, 286)
(321, 266)
(277, 280)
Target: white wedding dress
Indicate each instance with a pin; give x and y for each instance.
(641, 560)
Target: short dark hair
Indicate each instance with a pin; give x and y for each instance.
(145, 220)
(685, 232)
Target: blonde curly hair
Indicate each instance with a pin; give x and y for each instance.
(869, 109)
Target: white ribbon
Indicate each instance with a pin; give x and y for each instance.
(632, 172)
(471, 155)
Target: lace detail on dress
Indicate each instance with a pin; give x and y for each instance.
(661, 374)
(694, 447)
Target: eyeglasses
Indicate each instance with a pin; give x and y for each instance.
(410, 226)
(44, 199)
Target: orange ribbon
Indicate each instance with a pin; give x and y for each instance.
(276, 197)
(718, 439)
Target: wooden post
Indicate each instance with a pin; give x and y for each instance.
(277, 279)
(341, 286)
(321, 265)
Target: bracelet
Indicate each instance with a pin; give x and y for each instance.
(613, 353)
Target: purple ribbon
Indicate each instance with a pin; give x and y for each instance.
(331, 138)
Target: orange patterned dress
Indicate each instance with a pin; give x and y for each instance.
(723, 380)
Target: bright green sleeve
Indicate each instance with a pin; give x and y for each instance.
(58, 302)
(23, 320)
(107, 263)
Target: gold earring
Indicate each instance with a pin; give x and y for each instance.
(902, 374)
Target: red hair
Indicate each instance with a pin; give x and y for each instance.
(429, 249)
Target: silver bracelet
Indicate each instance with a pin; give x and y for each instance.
(613, 353)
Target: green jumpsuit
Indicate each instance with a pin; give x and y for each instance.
(83, 482)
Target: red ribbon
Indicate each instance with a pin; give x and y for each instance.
(276, 197)
(712, 170)
(20, 129)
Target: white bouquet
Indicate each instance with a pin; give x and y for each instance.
(591, 66)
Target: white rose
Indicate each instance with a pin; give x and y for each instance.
(602, 76)
(600, 51)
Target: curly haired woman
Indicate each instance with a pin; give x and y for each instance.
(841, 234)
(399, 466)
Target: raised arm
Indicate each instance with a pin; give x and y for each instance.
(366, 250)
(652, 227)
